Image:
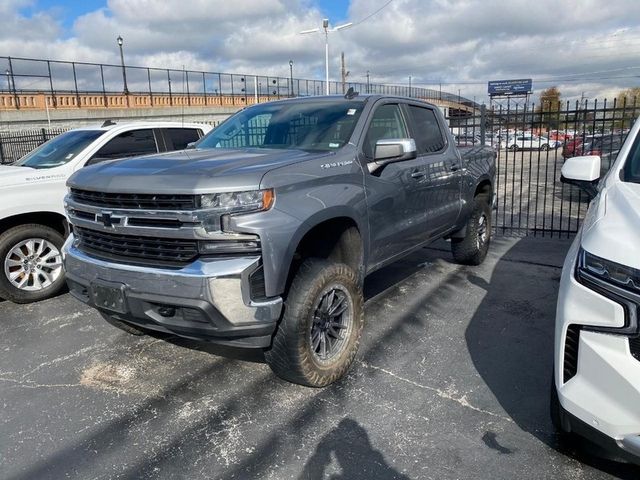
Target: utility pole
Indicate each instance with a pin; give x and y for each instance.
(344, 72)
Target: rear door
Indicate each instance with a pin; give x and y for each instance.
(444, 175)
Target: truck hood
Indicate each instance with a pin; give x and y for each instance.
(188, 171)
(11, 176)
(615, 232)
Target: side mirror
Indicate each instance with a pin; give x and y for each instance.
(191, 146)
(392, 150)
(583, 172)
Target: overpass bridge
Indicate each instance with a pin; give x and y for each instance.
(41, 92)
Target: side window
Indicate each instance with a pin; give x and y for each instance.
(386, 122)
(127, 144)
(179, 138)
(428, 135)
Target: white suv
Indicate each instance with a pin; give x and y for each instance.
(596, 391)
(32, 218)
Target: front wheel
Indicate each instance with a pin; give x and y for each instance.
(31, 261)
(472, 248)
(544, 147)
(319, 334)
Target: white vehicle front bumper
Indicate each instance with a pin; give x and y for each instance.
(601, 390)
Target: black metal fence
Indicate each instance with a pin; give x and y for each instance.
(29, 75)
(532, 143)
(14, 145)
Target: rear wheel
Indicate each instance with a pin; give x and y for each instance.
(473, 247)
(320, 331)
(513, 148)
(544, 147)
(31, 261)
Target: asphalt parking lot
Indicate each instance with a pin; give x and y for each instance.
(452, 381)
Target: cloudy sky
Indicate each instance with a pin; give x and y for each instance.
(589, 47)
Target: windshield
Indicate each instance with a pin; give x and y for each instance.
(315, 126)
(59, 150)
(632, 167)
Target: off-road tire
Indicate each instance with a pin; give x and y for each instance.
(472, 249)
(10, 239)
(291, 356)
(125, 327)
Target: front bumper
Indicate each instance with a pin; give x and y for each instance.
(206, 300)
(600, 398)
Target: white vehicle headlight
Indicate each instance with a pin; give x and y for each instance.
(614, 281)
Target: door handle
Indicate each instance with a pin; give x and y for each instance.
(418, 174)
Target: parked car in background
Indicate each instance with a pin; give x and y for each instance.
(606, 147)
(596, 382)
(32, 217)
(526, 141)
(261, 236)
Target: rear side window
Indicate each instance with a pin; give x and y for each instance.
(128, 144)
(179, 138)
(428, 135)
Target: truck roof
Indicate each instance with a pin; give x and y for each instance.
(157, 124)
(358, 98)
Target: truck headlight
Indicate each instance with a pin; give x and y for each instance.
(608, 271)
(615, 281)
(231, 202)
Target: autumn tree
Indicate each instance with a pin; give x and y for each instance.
(549, 107)
(627, 105)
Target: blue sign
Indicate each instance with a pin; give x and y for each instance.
(510, 87)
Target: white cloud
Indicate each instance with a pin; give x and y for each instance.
(460, 43)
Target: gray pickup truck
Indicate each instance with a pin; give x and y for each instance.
(262, 234)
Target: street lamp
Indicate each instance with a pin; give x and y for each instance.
(291, 78)
(124, 70)
(409, 85)
(368, 84)
(8, 73)
(326, 29)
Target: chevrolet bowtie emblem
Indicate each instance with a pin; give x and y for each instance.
(108, 220)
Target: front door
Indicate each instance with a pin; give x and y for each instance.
(396, 195)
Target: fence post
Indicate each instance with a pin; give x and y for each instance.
(44, 135)
(75, 83)
(53, 94)
(483, 123)
(13, 82)
(1, 153)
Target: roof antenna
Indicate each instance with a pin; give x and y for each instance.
(108, 123)
(351, 94)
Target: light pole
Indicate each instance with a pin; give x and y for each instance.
(409, 85)
(326, 29)
(368, 84)
(291, 78)
(8, 73)
(124, 70)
